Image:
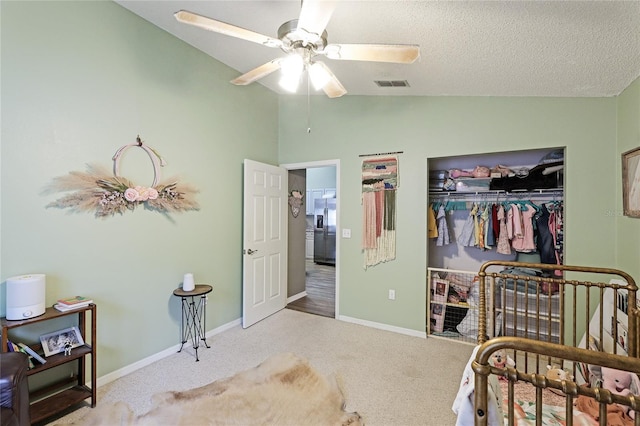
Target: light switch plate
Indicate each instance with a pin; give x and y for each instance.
(346, 233)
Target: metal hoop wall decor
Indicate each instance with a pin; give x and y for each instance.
(96, 190)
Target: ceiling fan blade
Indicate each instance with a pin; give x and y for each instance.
(224, 28)
(397, 53)
(257, 73)
(333, 88)
(315, 15)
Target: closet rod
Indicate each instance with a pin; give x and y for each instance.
(381, 153)
(468, 194)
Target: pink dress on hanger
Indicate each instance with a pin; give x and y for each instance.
(527, 242)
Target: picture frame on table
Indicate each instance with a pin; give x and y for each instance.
(61, 340)
(631, 182)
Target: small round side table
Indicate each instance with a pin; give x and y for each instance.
(194, 315)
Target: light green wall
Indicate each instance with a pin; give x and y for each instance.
(437, 127)
(321, 177)
(628, 232)
(81, 79)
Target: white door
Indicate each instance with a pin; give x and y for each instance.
(264, 260)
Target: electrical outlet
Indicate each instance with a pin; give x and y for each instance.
(392, 295)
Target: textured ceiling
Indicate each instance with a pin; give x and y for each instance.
(467, 48)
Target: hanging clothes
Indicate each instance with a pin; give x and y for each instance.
(443, 227)
(526, 243)
(495, 222)
(509, 213)
(432, 227)
(555, 227)
(518, 225)
(479, 229)
(504, 246)
(559, 233)
(544, 240)
(514, 225)
(466, 236)
(489, 239)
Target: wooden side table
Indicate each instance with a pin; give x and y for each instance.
(194, 315)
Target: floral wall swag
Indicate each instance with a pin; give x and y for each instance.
(107, 194)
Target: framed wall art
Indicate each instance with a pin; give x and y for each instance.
(631, 182)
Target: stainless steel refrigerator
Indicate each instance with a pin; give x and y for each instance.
(324, 235)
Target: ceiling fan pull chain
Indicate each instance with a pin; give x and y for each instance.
(308, 106)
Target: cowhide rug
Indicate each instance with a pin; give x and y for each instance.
(283, 390)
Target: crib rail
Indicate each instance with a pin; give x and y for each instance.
(483, 369)
(574, 317)
(558, 308)
(634, 318)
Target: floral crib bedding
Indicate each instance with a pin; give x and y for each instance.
(552, 415)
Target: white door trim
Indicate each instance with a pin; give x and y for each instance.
(324, 163)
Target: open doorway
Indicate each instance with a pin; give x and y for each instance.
(313, 255)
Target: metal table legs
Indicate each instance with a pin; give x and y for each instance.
(193, 321)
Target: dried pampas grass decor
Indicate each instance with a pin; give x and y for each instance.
(108, 194)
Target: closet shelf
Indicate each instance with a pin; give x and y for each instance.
(498, 192)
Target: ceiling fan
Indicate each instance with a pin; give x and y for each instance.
(303, 40)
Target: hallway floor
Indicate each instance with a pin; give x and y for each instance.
(321, 291)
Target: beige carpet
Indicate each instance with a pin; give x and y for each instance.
(387, 378)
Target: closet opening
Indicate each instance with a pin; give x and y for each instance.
(504, 206)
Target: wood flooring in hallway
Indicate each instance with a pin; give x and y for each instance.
(321, 291)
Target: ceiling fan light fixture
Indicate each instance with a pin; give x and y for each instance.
(289, 82)
(319, 75)
(303, 39)
(292, 67)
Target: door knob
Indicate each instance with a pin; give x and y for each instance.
(251, 251)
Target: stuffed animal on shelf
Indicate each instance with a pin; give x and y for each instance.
(500, 359)
(620, 382)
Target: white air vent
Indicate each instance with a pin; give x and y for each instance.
(392, 83)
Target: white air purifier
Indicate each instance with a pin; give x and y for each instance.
(25, 296)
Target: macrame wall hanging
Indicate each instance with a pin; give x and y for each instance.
(108, 194)
(379, 185)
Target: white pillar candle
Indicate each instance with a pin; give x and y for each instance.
(188, 284)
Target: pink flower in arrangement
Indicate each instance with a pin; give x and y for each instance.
(143, 193)
(131, 195)
(153, 194)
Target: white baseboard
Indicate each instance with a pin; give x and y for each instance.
(110, 377)
(386, 327)
(296, 296)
